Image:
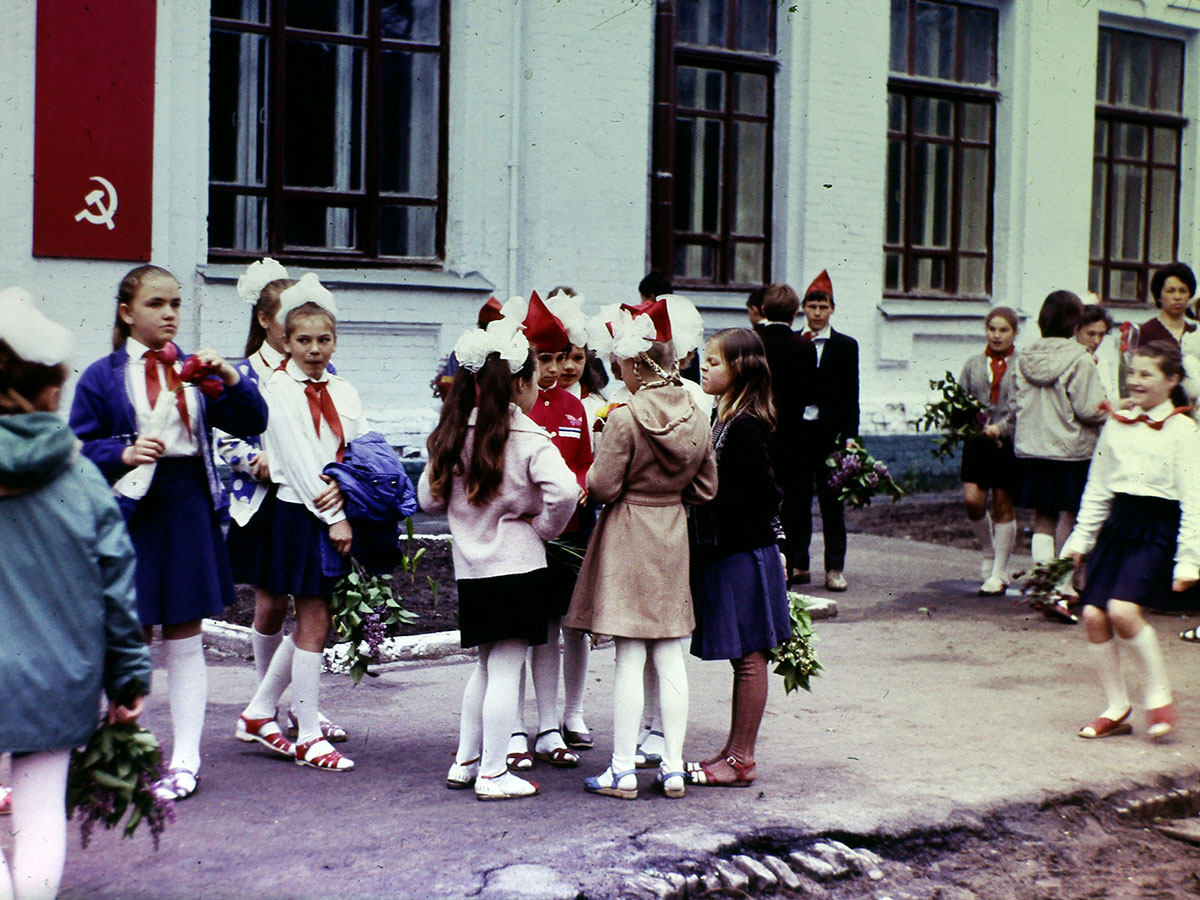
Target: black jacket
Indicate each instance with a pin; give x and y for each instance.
(837, 387)
(793, 364)
(747, 495)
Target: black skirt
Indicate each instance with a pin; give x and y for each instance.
(504, 607)
(1051, 485)
(989, 464)
(1134, 556)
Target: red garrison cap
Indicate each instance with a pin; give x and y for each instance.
(821, 283)
(489, 312)
(542, 328)
(657, 311)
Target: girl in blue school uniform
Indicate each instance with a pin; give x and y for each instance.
(252, 495)
(158, 456)
(315, 414)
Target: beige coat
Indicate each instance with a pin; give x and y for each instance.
(656, 455)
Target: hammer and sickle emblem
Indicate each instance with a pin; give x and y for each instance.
(104, 213)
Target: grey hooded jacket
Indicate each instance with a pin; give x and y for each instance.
(1057, 401)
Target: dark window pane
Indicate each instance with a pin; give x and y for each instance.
(408, 231)
(973, 206)
(1123, 285)
(695, 261)
(754, 26)
(933, 116)
(1099, 206)
(1130, 140)
(242, 10)
(1103, 67)
(1100, 142)
(930, 210)
(316, 226)
(237, 124)
(978, 45)
(1169, 76)
(972, 275)
(412, 20)
(340, 16)
(747, 263)
(891, 271)
(895, 112)
(1095, 279)
(930, 275)
(702, 22)
(1128, 211)
(1166, 145)
(700, 88)
(237, 223)
(750, 93)
(698, 174)
(409, 125)
(323, 140)
(750, 187)
(1133, 73)
(1163, 206)
(977, 122)
(898, 58)
(894, 216)
(934, 40)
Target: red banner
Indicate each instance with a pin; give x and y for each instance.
(93, 163)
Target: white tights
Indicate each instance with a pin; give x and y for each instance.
(489, 706)
(543, 663)
(39, 827)
(628, 699)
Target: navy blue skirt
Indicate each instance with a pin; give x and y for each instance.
(504, 608)
(249, 545)
(289, 562)
(1051, 486)
(1134, 556)
(741, 605)
(183, 572)
(989, 464)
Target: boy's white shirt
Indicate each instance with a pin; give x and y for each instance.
(297, 455)
(1136, 459)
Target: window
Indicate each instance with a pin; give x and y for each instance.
(327, 130)
(1135, 170)
(714, 111)
(941, 150)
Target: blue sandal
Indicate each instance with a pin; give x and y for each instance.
(608, 783)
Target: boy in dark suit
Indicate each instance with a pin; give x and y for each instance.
(832, 415)
(793, 364)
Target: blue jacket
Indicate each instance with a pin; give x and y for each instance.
(379, 497)
(103, 417)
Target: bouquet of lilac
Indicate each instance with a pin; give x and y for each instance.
(858, 476)
(959, 416)
(796, 658)
(363, 606)
(114, 774)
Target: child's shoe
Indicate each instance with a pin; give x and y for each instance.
(672, 784)
(505, 786)
(319, 754)
(462, 775)
(622, 785)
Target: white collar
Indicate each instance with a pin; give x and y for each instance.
(822, 335)
(1160, 412)
(766, 322)
(270, 355)
(136, 349)
(297, 374)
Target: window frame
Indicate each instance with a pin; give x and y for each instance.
(909, 87)
(670, 55)
(370, 200)
(1112, 114)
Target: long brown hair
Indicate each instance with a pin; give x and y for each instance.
(750, 390)
(267, 305)
(489, 391)
(125, 293)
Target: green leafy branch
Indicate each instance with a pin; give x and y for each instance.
(959, 416)
(796, 658)
(364, 607)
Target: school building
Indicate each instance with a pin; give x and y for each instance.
(937, 157)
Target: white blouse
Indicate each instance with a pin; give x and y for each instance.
(1136, 459)
(297, 454)
(179, 440)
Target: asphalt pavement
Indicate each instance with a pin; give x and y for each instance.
(936, 706)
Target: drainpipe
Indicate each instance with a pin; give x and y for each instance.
(514, 148)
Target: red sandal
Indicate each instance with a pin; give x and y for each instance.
(743, 775)
(266, 732)
(311, 753)
(1105, 727)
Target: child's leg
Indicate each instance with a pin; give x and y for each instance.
(267, 633)
(504, 664)
(627, 700)
(673, 699)
(518, 744)
(274, 682)
(975, 501)
(470, 723)
(1042, 543)
(1004, 532)
(750, 701)
(1107, 661)
(39, 825)
(1136, 635)
(545, 661)
(575, 655)
(312, 630)
(187, 692)
(650, 741)
(1062, 530)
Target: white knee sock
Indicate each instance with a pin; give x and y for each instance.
(1145, 647)
(518, 731)
(306, 686)
(1004, 535)
(628, 700)
(264, 646)
(545, 662)
(575, 656)
(273, 683)
(504, 663)
(470, 723)
(673, 700)
(187, 692)
(1042, 547)
(1107, 660)
(39, 826)
(982, 529)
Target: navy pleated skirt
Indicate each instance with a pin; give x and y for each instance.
(504, 608)
(289, 561)
(1134, 556)
(741, 605)
(249, 544)
(183, 572)
(1051, 485)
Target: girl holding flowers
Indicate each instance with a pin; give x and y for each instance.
(988, 463)
(68, 617)
(655, 456)
(314, 415)
(149, 432)
(505, 490)
(1139, 524)
(740, 588)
